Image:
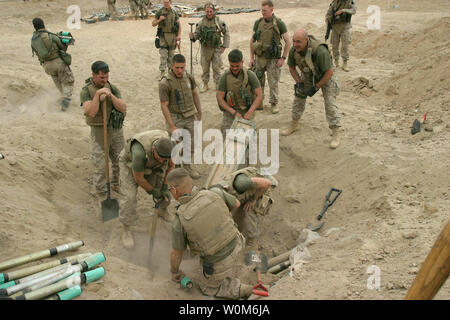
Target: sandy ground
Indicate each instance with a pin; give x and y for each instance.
(395, 185)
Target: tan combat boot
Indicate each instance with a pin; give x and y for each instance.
(293, 126)
(274, 108)
(127, 238)
(336, 63)
(204, 88)
(336, 139)
(345, 67)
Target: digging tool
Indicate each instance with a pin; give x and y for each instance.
(417, 125)
(39, 255)
(328, 203)
(153, 231)
(259, 260)
(191, 24)
(435, 269)
(110, 207)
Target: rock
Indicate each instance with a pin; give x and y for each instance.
(410, 235)
(292, 199)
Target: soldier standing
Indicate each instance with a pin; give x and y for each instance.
(203, 221)
(96, 90)
(265, 43)
(180, 104)
(112, 9)
(50, 51)
(313, 58)
(210, 31)
(339, 15)
(169, 33)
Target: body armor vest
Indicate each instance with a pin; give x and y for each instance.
(168, 25)
(210, 33)
(181, 100)
(239, 91)
(306, 64)
(43, 45)
(268, 39)
(146, 139)
(207, 223)
(97, 121)
(344, 17)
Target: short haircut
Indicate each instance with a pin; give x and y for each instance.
(235, 55)
(267, 3)
(38, 23)
(98, 66)
(210, 5)
(179, 58)
(177, 176)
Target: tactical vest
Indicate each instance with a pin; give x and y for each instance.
(207, 223)
(210, 33)
(344, 17)
(181, 100)
(239, 92)
(168, 24)
(97, 121)
(43, 45)
(146, 139)
(266, 36)
(305, 63)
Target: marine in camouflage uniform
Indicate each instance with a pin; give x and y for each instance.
(252, 189)
(203, 221)
(341, 28)
(49, 48)
(239, 92)
(141, 8)
(315, 63)
(167, 20)
(265, 43)
(98, 87)
(144, 162)
(214, 37)
(180, 104)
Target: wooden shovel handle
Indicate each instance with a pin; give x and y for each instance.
(435, 269)
(105, 139)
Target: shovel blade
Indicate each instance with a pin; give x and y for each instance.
(257, 259)
(110, 209)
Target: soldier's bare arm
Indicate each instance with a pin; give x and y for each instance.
(256, 102)
(141, 181)
(91, 107)
(294, 73)
(327, 76)
(167, 116)
(118, 103)
(220, 96)
(175, 260)
(252, 52)
(287, 47)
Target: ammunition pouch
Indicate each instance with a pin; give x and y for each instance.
(273, 51)
(67, 58)
(263, 205)
(299, 90)
(247, 97)
(229, 98)
(116, 119)
(157, 45)
(257, 48)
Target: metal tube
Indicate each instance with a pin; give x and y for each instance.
(278, 267)
(40, 254)
(17, 274)
(276, 260)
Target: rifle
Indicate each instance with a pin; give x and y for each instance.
(330, 23)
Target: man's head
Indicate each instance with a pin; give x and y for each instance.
(167, 3)
(178, 65)
(236, 60)
(267, 9)
(209, 10)
(179, 182)
(300, 40)
(162, 149)
(38, 23)
(100, 73)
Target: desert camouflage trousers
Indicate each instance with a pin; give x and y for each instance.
(112, 8)
(184, 123)
(273, 78)
(247, 222)
(341, 33)
(116, 143)
(211, 58)
(61, 75)
(165, 54)
(129, 189)
(329, 91)
(223, 283)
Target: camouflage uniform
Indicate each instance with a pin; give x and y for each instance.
(210, 33)
(116, 141)
(133, 8)
(154, 173)
(330, 90)
(168, 43)
(112, 8)
(268, 49)
(142, 8)
(53, 65)
(341, 28)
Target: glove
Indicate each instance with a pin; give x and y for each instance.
(165, 191)
(157, 195)
(312, 91)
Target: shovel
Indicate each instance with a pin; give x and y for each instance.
(110, 207)
(327, 204)
(259, 260)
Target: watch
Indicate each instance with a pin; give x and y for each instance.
(283, 57)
